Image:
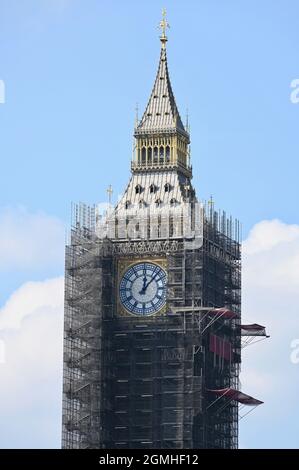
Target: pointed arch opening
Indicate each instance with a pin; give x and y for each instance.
(152, 188)
(143, 156)
(161, 154)
(167, 153)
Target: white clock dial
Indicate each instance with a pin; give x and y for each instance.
(142, 288)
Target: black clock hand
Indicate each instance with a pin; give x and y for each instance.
(152, 279)
(144, 278)
(142, 291)
(145, 286)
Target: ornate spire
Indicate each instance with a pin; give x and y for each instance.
(161, 140)
(161, 112)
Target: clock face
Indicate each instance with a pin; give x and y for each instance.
(142, 288)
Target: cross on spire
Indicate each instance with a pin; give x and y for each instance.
(211, 201)
(163, 25)
(109, 191)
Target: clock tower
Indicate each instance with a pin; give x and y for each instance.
(152, 303)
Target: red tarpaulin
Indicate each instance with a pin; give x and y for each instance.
(253, 330)
(223, 313)
(220, 347)
(237, 396)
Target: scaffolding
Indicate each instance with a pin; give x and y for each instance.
(133, 382)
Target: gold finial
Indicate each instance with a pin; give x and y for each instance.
(163, 25)
(109, 191)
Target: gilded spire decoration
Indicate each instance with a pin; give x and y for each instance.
(163, 25)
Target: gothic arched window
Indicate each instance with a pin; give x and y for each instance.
(138, 189)
(161, 154)
(143, 155)
(149, 155)
(167, 153)
(155, 154)
(167, 187)
(152, 188)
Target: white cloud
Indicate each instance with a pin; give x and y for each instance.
(267, 234)
(31, 326)
(30, 299)
(270, 297)
(29, 240)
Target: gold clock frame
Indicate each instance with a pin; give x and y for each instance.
(123, 265)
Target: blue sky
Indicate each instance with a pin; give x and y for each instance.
(73, 72)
